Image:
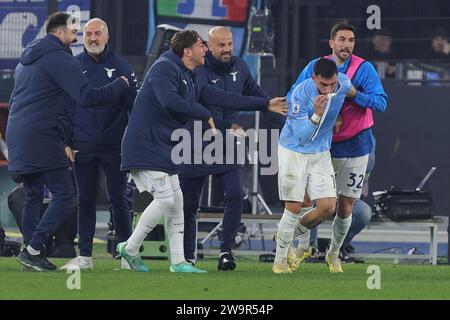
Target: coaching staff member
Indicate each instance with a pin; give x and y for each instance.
(48, 81)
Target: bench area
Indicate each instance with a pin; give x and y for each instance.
(430, 224)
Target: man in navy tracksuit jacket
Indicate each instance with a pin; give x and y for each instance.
(48, 80)
(167, 99)
(97, 135)
(229, 73)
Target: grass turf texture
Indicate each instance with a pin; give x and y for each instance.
(251, 280)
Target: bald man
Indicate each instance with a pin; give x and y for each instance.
(229, 73)
(97, 135)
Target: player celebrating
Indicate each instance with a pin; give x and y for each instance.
(353, 139)
(303, 152)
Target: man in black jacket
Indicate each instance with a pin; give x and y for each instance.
(97, 135)
(48, 80)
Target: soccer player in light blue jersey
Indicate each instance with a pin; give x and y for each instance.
(352, 141)
(304, 154)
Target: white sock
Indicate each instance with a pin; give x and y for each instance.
(149, 219)
(285, 234)
(339, 232)
(299, 233)
(303, 240)
(175, 229)
(33, 251)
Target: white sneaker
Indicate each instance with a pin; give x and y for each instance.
(80, 262)
(124, 265)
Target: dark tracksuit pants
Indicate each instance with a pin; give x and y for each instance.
(66, 232)
(87, 164)
(231, 182)
(36, 230)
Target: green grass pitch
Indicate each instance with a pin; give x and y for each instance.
(251, 280)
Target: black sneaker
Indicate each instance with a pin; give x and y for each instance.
(226, 261)
(350, 249)
(48, 264)
(345, 256)
(38, 262)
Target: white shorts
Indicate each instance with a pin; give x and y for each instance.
(350, 174)
(299, 172)
(158, 183)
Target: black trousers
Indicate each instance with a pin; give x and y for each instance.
(231, 182)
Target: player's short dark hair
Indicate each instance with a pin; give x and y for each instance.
(340, 27)
(183, 39)
(325, 68)
(56, 20)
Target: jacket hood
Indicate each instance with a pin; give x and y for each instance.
(40, 47)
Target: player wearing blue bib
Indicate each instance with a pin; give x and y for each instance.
(304, 156)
